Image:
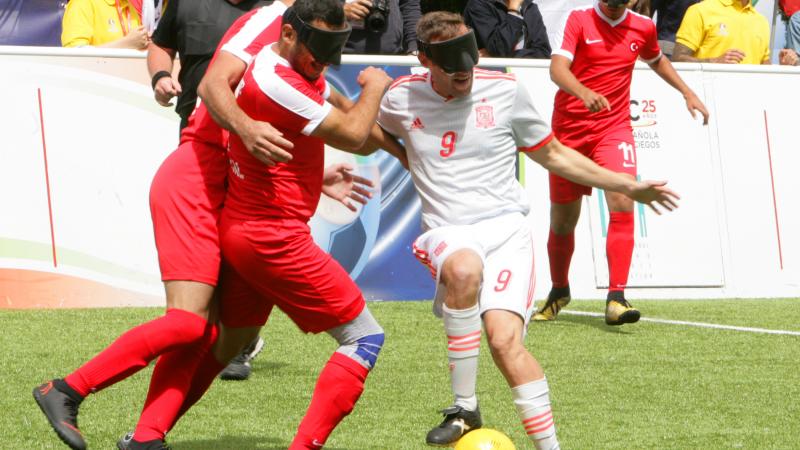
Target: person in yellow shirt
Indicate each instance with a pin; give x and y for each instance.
(723, 31)
(103, 23)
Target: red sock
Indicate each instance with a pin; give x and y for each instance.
(338, 388)
(135, 349)
(559, 250)
(205, 373)
(619, 249)
(169, 386)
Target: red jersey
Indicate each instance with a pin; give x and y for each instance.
(273, 92)
(244, 39)
(603, 53)
(789, 7)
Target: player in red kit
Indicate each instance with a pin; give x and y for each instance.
(592, 64)
(270, 258)
(186, 198)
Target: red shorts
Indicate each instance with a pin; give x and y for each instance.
(609, 145)
(276, 262)
(186, 199)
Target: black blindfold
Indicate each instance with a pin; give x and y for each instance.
(459, 54)
(325, 45)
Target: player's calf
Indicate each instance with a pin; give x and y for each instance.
(341, 382)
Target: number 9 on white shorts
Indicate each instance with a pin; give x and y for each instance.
(504, 244)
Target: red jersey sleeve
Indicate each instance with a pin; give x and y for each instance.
(301, 104)
(568, 36)
(254, 30)
(650, 52)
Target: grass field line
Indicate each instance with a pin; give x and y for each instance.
(695, 324)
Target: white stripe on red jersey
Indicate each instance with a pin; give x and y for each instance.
(244, 39)
(271, 91)
(249, 36)
(278, 81)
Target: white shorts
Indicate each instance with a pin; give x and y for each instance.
(504, 244)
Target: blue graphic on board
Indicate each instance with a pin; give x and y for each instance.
(374, 243)
(31, 22)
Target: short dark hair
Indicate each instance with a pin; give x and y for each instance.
(439, 25)
(329, 11)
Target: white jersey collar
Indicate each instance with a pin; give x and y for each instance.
(613, 23)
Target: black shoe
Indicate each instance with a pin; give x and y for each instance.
(239, 368)
(457, 422)
(61, 409)
(125, 441)
(155, 444)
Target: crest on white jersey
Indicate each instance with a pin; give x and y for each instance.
(484, 116)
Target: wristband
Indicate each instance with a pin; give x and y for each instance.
(159, 75)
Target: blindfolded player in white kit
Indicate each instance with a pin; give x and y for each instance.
(462, 128)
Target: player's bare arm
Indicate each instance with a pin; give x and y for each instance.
(568, 163)
(566, 80)
(377, 139)
(261, 139)
(349, 130)
(339, 100)
(682, 53)
(667, 72)
(160, 59)
(340, 183)
(382, 139)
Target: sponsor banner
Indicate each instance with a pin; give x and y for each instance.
(669, 145)
(758, 155)
(82, 146)
(83, 138)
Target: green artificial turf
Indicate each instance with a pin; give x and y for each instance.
(643, 386)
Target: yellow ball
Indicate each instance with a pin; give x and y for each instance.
(485, 439)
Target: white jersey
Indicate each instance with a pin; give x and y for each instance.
(462, 152)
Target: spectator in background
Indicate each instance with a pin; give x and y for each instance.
(192, 29)
(382, 27)
(103, 23)
(791, 12)
(724, 32)
(508, 28)
(669, 14)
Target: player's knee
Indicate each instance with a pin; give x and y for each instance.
(186, 327)
(564, 217)
(463, 270)
(368, 348)
(504, 344)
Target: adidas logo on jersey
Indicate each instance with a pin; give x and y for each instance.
(417, 124)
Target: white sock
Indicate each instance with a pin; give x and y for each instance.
(533, 406)
(463, 329)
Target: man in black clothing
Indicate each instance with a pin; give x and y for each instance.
(398, 37)
(669, 15)
(508, 28)
(192, 28)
